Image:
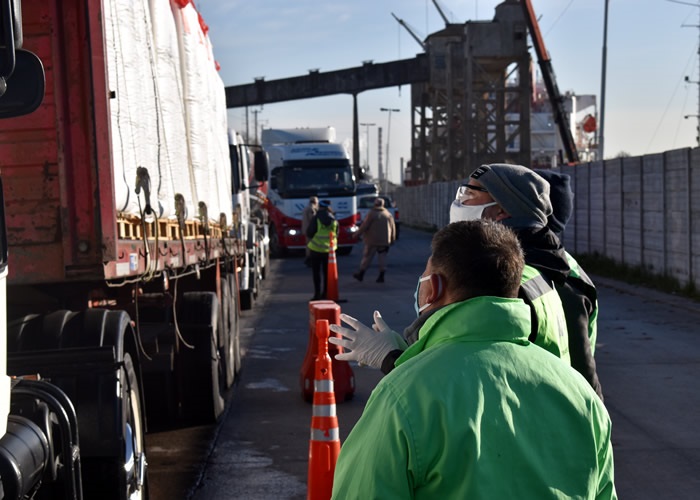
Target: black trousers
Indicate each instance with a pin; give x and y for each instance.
(319, 265)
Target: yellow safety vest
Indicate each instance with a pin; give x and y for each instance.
(321, 240)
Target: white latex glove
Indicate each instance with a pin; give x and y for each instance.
(367, 346)
(381, 327)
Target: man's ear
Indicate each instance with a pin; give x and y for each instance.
(437, 288)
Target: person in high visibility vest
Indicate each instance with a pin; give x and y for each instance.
(319, 233)
(306, 217)
(473, 409)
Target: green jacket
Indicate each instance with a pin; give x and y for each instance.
(473, 410)
(549, 330)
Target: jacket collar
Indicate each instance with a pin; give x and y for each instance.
(481, 319)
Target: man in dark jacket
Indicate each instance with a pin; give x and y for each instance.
(378, 232)
(578, 293)
(322, 232)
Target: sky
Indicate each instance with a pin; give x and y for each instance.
(652, 46)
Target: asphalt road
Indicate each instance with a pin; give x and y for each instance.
(648, 359)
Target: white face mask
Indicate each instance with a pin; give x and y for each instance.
(460, 212)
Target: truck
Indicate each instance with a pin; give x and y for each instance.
(250, 215)
(119, 250)
(305, 162)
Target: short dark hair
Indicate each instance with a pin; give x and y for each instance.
(478, 257)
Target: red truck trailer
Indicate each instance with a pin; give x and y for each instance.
(122, 296)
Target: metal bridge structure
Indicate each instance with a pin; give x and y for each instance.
(471, 94)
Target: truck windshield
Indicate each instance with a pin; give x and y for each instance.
(305, 178)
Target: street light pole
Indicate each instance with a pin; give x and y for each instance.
(367, 125)
(601, 125)
(388, 139)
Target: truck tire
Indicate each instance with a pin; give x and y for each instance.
(249, 294)
(246, 300)
(255, 278)
(200, 384)
(236, 320)
(266, 252)
(227, 343)
(134, 485)
(107, 399)
(276, 251)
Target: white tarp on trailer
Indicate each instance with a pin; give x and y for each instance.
(169, 111)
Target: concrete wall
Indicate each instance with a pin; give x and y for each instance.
(640, 211)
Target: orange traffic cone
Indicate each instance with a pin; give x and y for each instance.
(332, 291)
(343, 376)
(324, 445)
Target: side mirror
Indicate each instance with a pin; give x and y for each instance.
(261, 165)
(11, 37)
(3, 231)
(21, 72)
(24, 90)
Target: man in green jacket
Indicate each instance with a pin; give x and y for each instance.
(473, 409)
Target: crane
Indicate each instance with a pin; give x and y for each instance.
(550, 82)
(410, 31)
(442, 14)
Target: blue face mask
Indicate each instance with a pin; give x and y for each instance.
(420, 309)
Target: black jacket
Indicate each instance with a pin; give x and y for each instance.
(544, 252)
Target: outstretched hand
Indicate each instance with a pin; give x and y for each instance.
(368, 346)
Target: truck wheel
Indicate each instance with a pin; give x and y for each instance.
(107, 398)
(255, 279)
(266, 250)
(344, 250)
(246, 300)
(125, 477)
(276, 250)
(236, 326)
(201, 386)
(227, 344)
(134, 463)
(129, 469)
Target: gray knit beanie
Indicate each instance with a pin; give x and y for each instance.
(519, 191)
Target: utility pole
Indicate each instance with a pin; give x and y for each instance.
(388, 140)
(255, 123)
(687, 78)
(367, 126)
(380, 162)
(247, 131)
(601, 127)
